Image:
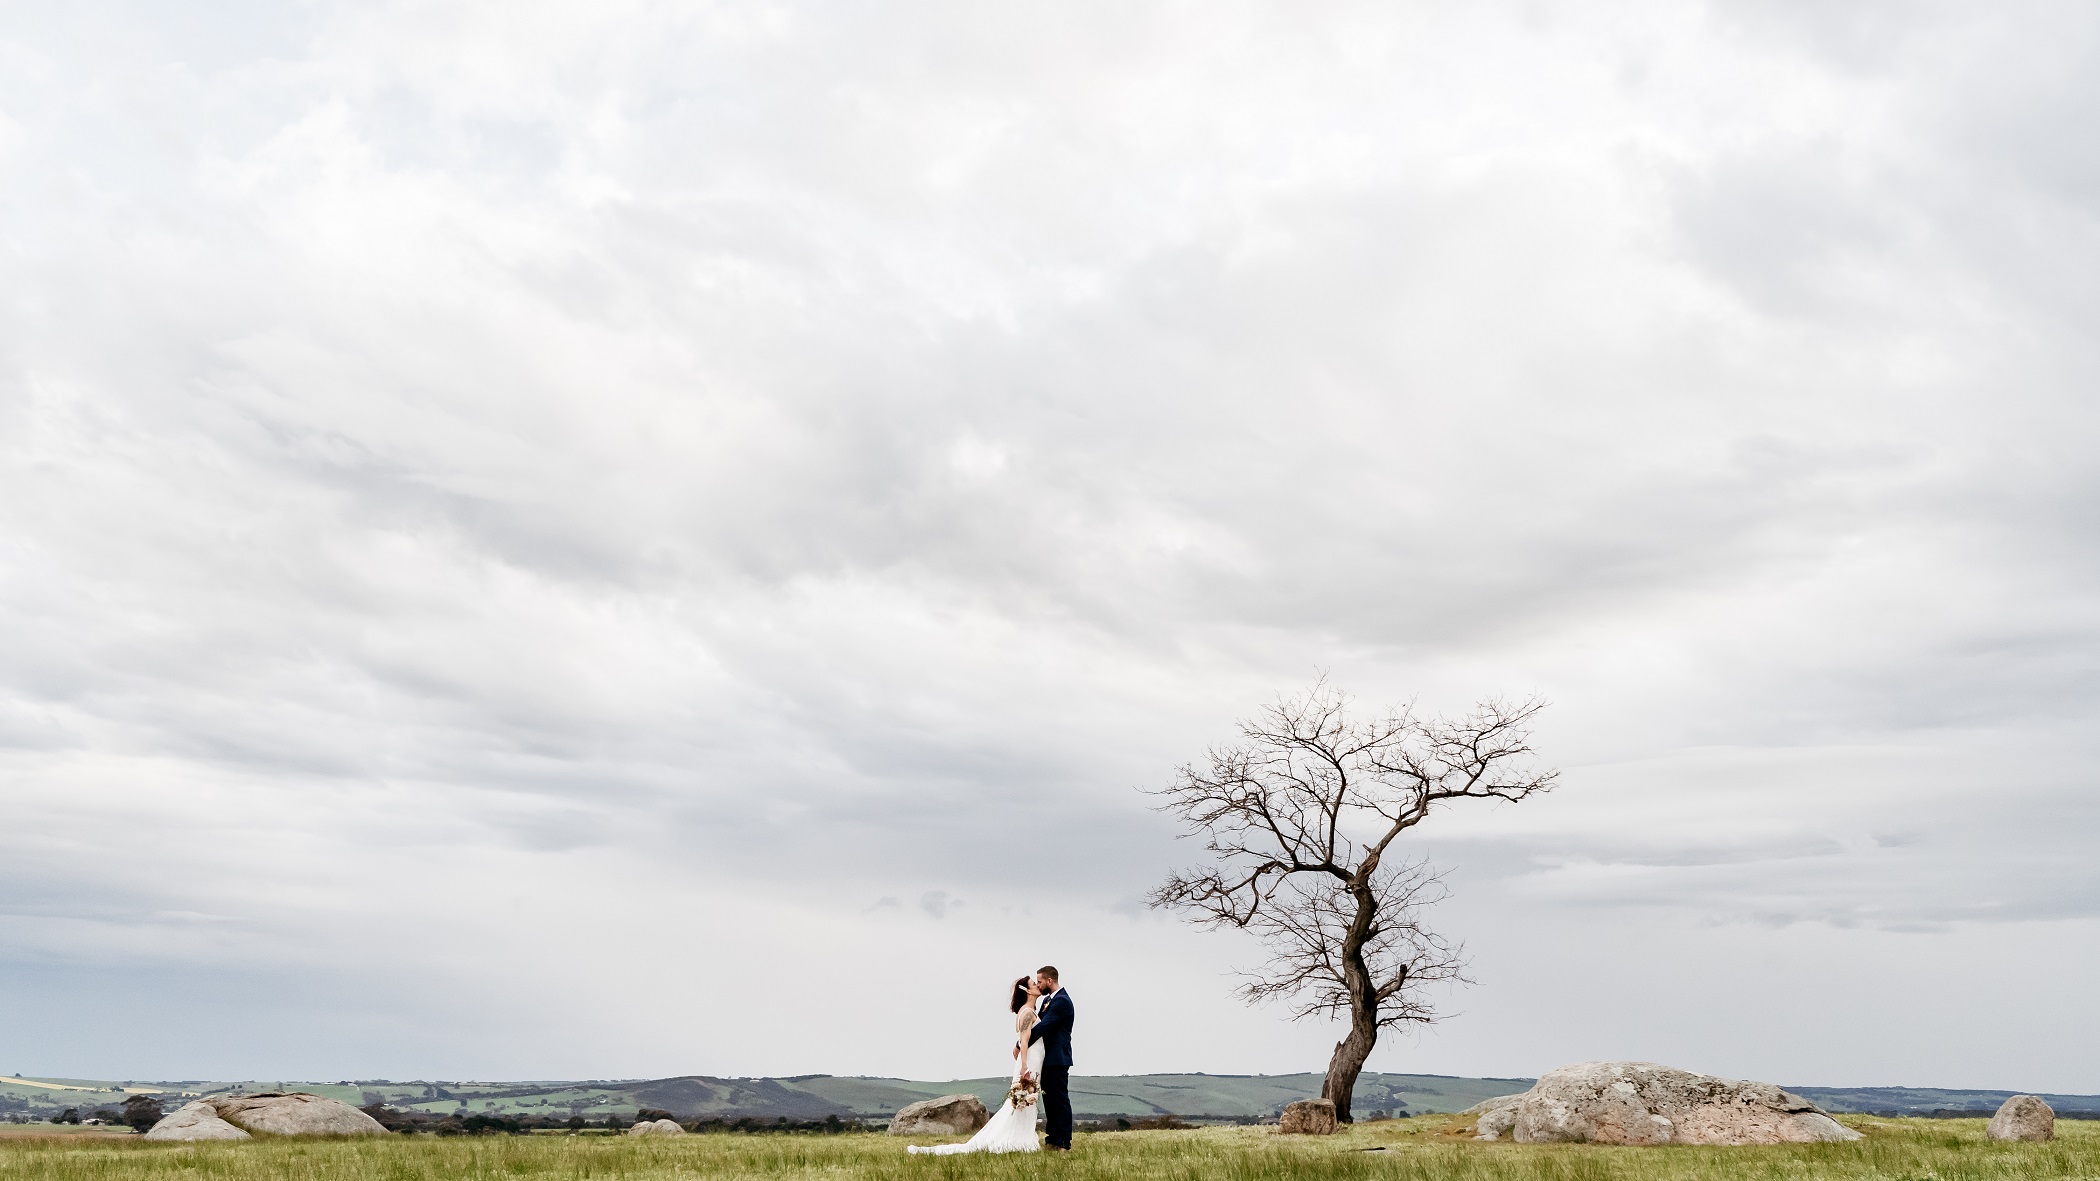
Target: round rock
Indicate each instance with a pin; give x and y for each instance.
(2023, 1117)
(1309, 1117)
(294, 1113)
(949, 1115)
(656, 1127)
(1493, 1118)
(194, 1121)
(1642, 1103)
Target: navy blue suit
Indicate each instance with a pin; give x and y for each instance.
(1053, 1028)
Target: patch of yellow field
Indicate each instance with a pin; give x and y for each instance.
(30, 1082)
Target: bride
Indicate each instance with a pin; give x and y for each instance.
(1013, 1128)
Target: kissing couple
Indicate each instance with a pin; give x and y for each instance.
(1042, 1053)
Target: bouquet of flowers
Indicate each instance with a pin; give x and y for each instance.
(1023, 1092)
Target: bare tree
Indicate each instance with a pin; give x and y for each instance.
(1300, 817)
(142, 1112)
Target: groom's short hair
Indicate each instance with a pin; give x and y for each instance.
(1047, 970)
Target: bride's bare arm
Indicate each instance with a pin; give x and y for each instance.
(1024, 1023)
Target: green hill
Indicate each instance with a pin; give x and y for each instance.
(1222, 1095)
(1928, 1100)
(812, 1096)
(1219, 1096)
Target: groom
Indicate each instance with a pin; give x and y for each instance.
(1053, 1027)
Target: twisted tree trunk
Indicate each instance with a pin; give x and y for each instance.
(1353, 1051)
(1349, 1056)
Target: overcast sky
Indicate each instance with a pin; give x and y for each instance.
(619, 539)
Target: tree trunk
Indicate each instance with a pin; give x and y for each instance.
(1351, 1052)
(1349, 1056)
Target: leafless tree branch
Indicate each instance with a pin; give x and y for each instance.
(1299, 816)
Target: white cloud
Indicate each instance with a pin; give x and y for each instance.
(532, 513)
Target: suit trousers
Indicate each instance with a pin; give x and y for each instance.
(1057, 1105)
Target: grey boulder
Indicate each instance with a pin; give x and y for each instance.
(2023, 1117)
(294, 1113)
(657, 1127)
(1493, 1118)
(1309, 1117)
(194, 1121)
(1642, 1103)
(949, 1115)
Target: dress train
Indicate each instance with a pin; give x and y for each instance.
(1012, 1128)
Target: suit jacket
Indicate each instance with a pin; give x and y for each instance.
(1053, 1028)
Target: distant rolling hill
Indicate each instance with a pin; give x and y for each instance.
(1220, 1096)
(1928, 1100)
(1096, 1096)
(808, 1096)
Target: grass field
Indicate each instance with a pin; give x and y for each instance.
(1909, 1149)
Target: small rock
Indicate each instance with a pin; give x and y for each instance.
(949, 1115)
(194, 1121)
(2023, 1117)
(1309, 1117)
(657, 1127)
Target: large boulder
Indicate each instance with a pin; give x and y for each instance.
(294, 1113)
(194, 1121)
(2023, 1117)
(656, 1127)
(949, 1115)
(1493, 1118)
(1309, 1117)
(1642, 1103)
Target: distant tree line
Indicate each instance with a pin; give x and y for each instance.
(1170, 1122)
(1970, 1113)
(490, 1123)
(139, 1113)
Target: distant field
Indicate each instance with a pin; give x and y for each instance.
(1220, 1096)
(69, 1130)
(1922, 1100)
(1098, 1096)
(817, 1096)
(1402, 1150)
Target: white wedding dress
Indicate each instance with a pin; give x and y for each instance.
(1012, 1128)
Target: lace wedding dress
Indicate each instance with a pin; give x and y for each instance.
(1012, 1128)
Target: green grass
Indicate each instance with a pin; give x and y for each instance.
(1909, 1150)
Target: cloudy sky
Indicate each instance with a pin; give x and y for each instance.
(622, 539)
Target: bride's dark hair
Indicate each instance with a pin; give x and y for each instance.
(1020, 994)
